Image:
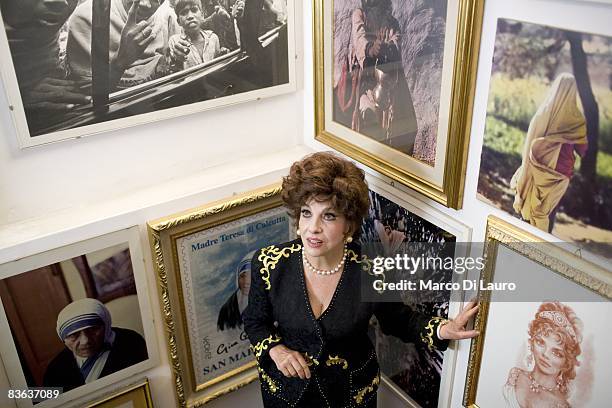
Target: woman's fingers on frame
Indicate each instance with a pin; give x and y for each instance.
(468, 334)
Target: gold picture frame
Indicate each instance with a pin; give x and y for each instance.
(589, 282)
(199, 250)
(441, 178)
(137, 395)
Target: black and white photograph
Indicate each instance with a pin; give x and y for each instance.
(79, 64)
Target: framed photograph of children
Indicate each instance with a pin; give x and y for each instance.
(547, 151)
(57, 335)
(203, 260)
(396, 223)
(135, 396)
(81, 67)
(554, 334)
(394, 85)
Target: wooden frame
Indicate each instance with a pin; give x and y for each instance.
(138, 395)
(182, 246)
(445, 180)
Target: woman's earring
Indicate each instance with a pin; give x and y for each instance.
(297, 231)
(349, 240)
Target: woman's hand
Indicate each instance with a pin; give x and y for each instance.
(455, 329)
(289, 362)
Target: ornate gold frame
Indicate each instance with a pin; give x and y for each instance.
(450, 194)
(141, 397)
(163, 234)
(548, 254)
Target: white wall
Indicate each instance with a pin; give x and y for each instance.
(570, 14)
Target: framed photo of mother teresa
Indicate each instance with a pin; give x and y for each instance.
(546, 343)
(547, 150)
(57, 332)
(394, 85)
(73, 68)
(203, 259)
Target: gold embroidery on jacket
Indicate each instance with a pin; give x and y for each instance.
(259, 348)
(310, 360)
(366, 265)
(271, 384)
(338, 361)
(431, 327)
(270, 257)
(370, 388)
(364, 260)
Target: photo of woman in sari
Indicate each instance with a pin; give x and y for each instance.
(556, 134)
(547, 145)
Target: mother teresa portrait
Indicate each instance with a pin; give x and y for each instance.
(93, 347)
(230, 315)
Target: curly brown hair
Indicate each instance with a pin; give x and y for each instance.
(571, 345)
(325, 176)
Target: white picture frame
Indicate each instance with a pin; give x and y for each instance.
(121, 101)
(95, 389)
(463, 234)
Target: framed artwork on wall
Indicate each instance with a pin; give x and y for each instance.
(63, 82)
(136, 396)
(547, 152)
(394, 86)
(396, 221)
(203, 259)
(56, 334)
(554, 336)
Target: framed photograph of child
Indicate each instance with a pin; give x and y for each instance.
(394, 86)
(77, 68)
(57, 335)
(203, 261)
(554, 331)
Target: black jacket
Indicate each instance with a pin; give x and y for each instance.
(128, 349)
(341, 356)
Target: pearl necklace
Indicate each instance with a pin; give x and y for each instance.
(321, 271)
(536, 386)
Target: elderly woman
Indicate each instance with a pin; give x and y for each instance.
(555, 335)
(94, 348)
(305, 319)
(230, 315)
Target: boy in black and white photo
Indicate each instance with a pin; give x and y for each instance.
(203, 44)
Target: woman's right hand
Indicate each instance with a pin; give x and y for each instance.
(289, 362)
